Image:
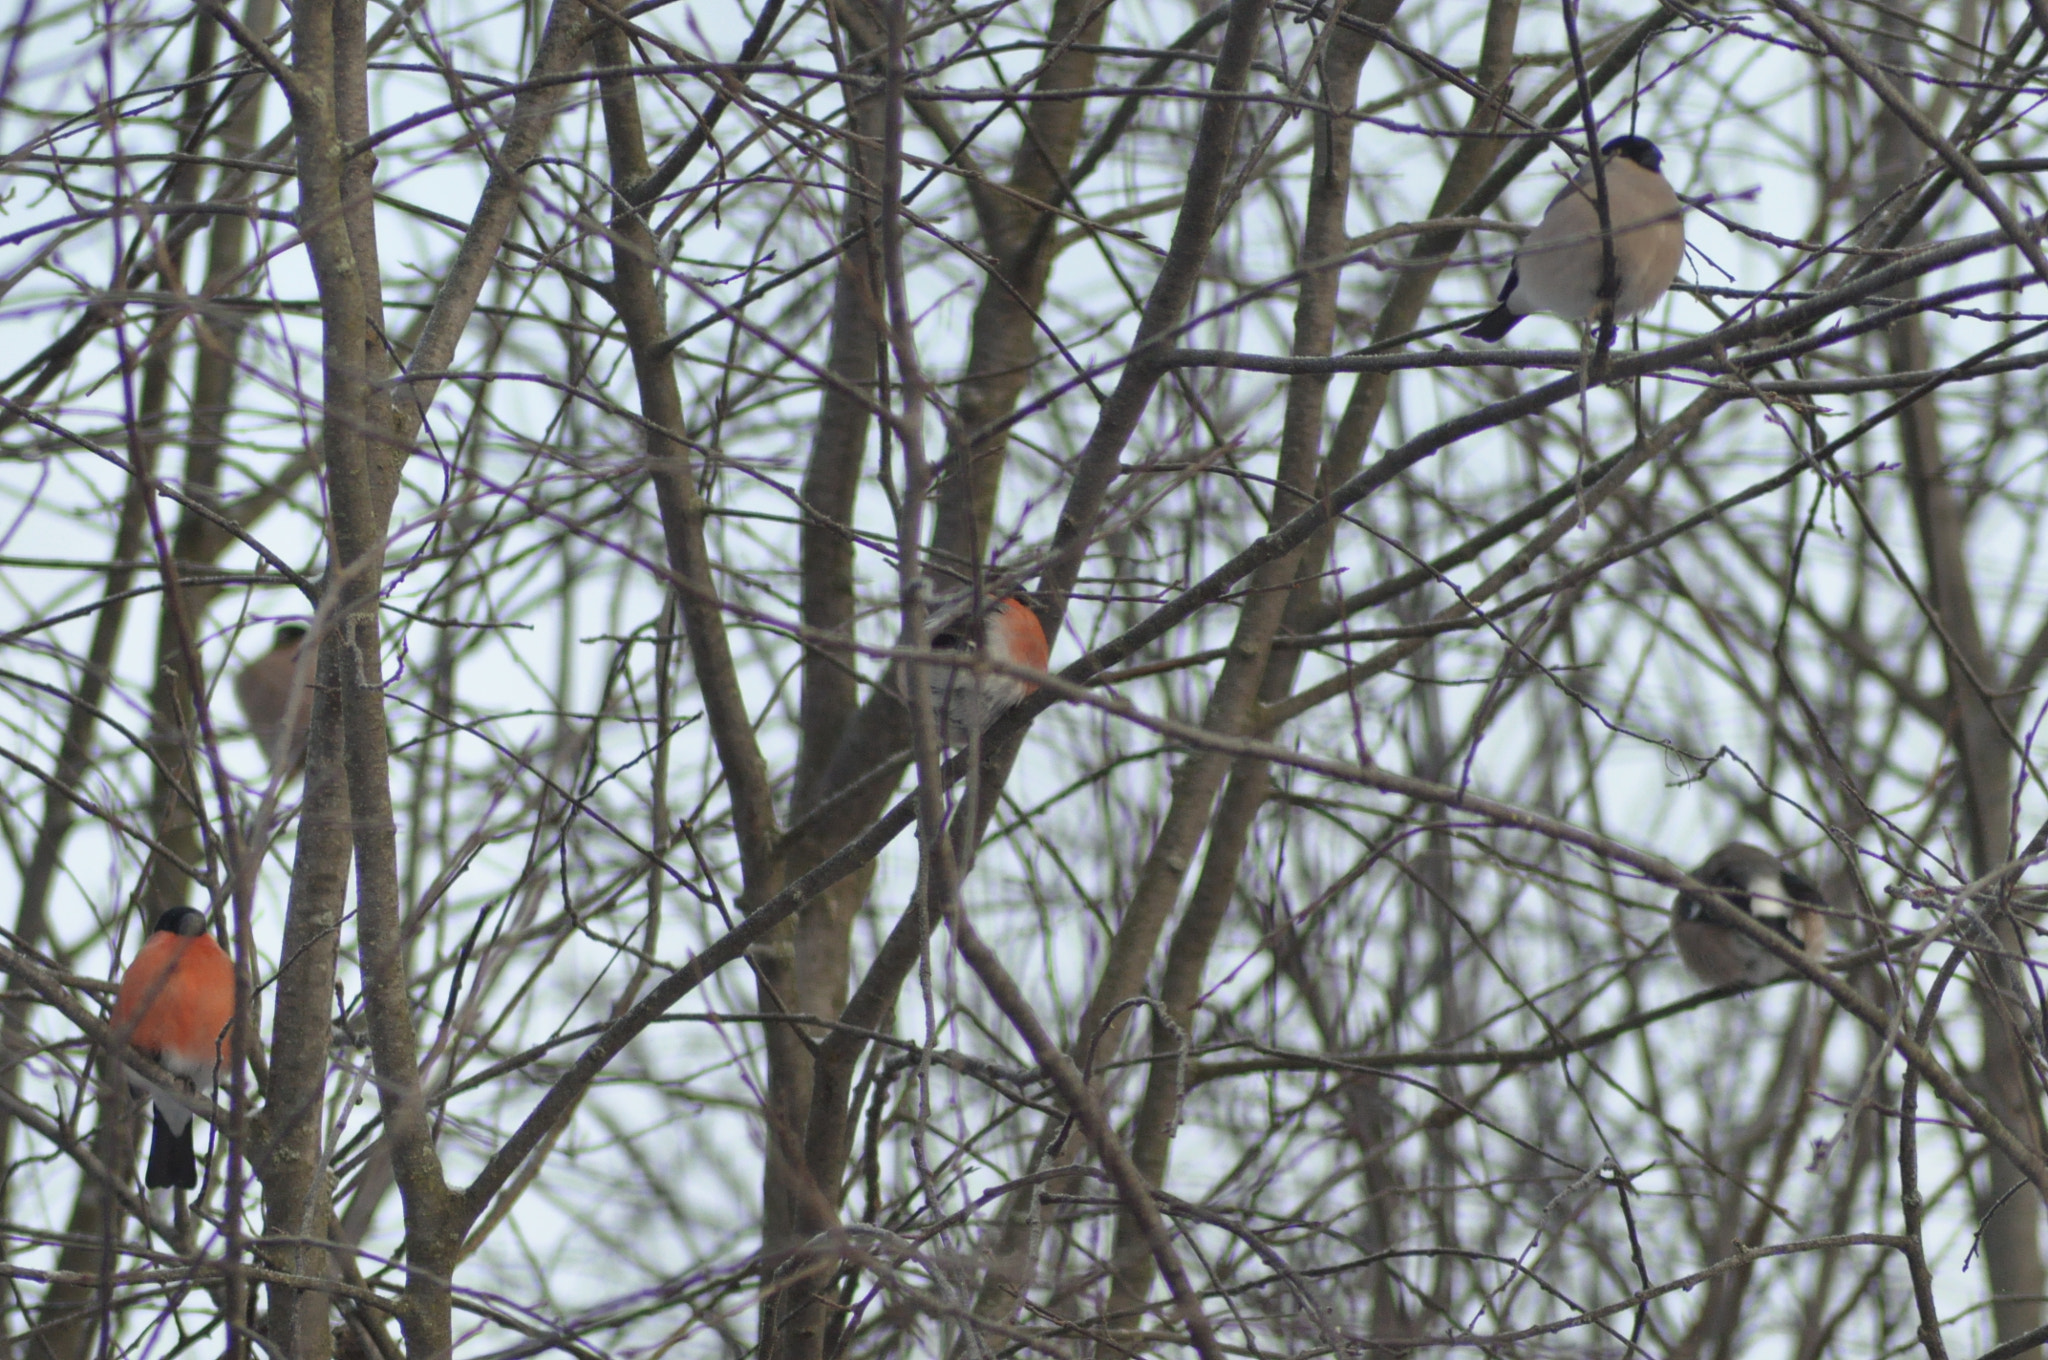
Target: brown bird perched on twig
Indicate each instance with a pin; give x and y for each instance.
(1745, 879)
(1560, 266)
(967, 701)
(265, 690)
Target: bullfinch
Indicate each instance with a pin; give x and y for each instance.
(965, 700)
(175, 1005)
(264, 689)
(1560, 265)
(1746, 879)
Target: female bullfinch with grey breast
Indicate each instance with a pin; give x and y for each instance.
(1560, 265)
(1750, 880)
(175, 1005)
(967, 700)
(264, 689)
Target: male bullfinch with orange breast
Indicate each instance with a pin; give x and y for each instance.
(967, 700)
(175, 1005)
(1560, 266)
(1746, 879)
(264, 689)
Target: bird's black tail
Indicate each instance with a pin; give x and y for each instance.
(1494, 325)
(170, 1156)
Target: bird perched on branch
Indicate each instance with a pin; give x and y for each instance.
(175, 1005)
(264, 689)
(967, 700)
(1560, 266)
(1745, 879)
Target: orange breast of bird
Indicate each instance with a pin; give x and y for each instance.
(179, 996)
(1019, 638)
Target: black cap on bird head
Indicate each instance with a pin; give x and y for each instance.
(287, 634)
(1030, 602)
(1641, 150)
(180, 921)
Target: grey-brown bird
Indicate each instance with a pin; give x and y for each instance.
(1746, 879)
(1560, 266)
(264, 689)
